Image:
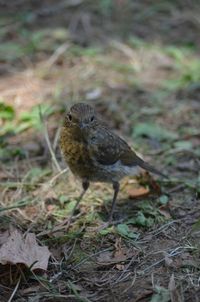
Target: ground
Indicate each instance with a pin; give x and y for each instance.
(138, 64)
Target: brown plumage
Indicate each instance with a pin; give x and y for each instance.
(94, 153)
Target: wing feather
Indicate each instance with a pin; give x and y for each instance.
(107, 148)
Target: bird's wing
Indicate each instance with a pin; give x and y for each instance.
(107, 148)
(104, 146)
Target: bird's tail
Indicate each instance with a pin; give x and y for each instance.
(150, 168)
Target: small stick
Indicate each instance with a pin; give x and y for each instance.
(15, 290)
(46, 135)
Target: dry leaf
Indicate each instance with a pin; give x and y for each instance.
(165, 212)
(121, 252)
(138, 192)
(4, 237)
(18, 249)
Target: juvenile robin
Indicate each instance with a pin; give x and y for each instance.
(95, 154)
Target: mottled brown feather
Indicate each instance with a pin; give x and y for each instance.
(89, 148)
(108, 148)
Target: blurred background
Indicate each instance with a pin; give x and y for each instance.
(136, 61)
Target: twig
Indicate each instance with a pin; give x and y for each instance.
(15, 290)
(57, 176)
(132, 283)
(57, 135)
(38, 279)
(120, 278)
(46, 135)
(53, 157)
(59, 51)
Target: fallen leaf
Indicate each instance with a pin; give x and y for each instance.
(138, 192)
(121, 252)
(147, 178)
(155, 187)
(18, 249)
(165, 212)
(4, 237)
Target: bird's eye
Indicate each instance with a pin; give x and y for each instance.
(92, 118)
(69, 117)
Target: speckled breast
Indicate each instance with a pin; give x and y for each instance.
(76, 155)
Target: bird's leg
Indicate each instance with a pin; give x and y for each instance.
(116, 190)
(110, 222)
(85, 186)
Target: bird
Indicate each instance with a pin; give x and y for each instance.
(94, 153)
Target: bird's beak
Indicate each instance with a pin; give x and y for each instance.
(82, 125)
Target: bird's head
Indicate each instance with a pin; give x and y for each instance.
(81, 117)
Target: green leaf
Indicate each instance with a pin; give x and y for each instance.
(141, 220)
(6, 111)
(70, 206)
(183, 145)
(124, 231)
(62, 213)
(63, 199)
(146, 207)
(36, 174)
(31, 119)
(163, 199)
(161, 295)
(153, 131)
(106, 231)
(7, 127)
